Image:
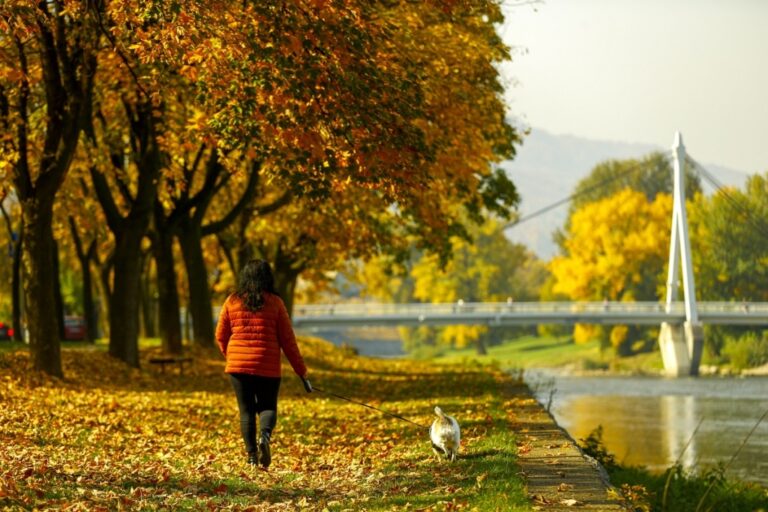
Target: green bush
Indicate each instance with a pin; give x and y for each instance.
(747, 351)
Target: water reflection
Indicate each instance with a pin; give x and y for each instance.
(648, 422)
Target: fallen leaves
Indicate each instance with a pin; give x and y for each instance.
(111, 437)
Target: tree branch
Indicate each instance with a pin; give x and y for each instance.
(202, 198)
(278, 203)
(106, 200)
(120, 53)
(21, 175)
(245, 199)
(55, 99)
(76, 238)
(7, 219)
(189, 172)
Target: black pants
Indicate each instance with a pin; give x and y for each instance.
(255, 395)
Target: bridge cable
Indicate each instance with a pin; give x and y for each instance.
(573, 196)
(756, 223)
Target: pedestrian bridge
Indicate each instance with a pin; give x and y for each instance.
(525, 313)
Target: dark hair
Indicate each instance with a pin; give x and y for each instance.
(255, 279)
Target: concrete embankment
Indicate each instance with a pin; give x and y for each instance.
(558, 474)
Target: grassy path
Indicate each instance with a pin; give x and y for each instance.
(114, 438)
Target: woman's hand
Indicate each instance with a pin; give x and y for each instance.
(307, 385)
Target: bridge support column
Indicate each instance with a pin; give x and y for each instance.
(681, 346)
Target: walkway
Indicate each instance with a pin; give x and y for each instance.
(559, 476)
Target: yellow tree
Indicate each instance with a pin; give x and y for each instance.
(616, 249)
(487, 268)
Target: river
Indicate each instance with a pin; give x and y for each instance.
(647, 421)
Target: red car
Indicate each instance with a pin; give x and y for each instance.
(6, 332)
(74, 328)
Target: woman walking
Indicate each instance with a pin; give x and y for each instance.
(253, 327)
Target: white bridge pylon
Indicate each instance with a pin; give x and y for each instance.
(680, 343)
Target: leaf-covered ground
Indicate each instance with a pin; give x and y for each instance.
(110, 437)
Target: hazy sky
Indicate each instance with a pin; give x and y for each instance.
(637, 71)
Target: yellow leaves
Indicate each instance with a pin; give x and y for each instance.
(619, 335)
(197, 120)
(584, 333)
(612, 245)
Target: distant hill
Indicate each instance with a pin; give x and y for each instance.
(547, 168)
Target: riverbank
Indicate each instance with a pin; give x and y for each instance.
(561, 355)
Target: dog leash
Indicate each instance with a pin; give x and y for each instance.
(382, 411)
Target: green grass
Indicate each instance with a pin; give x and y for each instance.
(11, 346)
(99, 344)
(554, 352)
(486, 478)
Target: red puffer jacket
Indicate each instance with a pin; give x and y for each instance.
(251, 340)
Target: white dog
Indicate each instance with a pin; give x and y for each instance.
(445, 435)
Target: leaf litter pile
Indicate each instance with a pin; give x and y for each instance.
(110, 437)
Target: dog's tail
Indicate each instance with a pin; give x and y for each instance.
(439, 412)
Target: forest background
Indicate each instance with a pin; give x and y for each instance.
(150, 150)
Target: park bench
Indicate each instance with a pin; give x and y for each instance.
(164, 360)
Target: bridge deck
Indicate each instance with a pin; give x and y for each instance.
(525, 313)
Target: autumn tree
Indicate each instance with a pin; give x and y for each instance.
(142, 93)
(398, 103)
(615, 249)
(650, 175)
(454, 115)
(729, 236)
(196, 221)
(46, 81)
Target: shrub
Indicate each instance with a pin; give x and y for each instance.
(677, 489)
(747, 351)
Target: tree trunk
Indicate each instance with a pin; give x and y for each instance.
(105, 294)
(148, 298)
(285, 283)
(124, 300)
(58, 299)
(18, 335)
(84, 257)
(190, 238)
(244, 253)
(65, 94)
(480, 346)
(38, 275)
(89, 311)
(168, 295)
(130, 230)
(89, 307)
